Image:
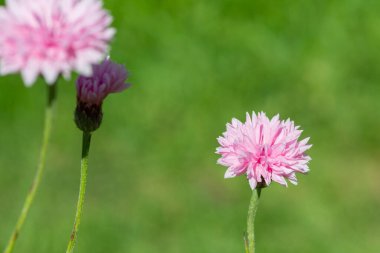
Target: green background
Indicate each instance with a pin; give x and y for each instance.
(154, 185)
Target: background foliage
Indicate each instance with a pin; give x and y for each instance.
(154, 185)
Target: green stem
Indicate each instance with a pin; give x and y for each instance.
(82, 190)
(51, 98)
(252, 209)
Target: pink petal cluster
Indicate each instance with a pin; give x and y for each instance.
(52, 37)
(264, 149)
(107, 77)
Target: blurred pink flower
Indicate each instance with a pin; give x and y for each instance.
(108, 77)
(263, 149)
(52, 37)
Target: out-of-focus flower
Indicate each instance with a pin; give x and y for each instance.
(107, 77)
(263, 149)
(52, 37)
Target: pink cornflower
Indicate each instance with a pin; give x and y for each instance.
(107, 77)
(52, 37)
(263, 149)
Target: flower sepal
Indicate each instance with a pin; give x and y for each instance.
(88, 118)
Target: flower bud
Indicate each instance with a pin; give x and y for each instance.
(108, 77)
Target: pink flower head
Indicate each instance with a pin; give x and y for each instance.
(263, 149)
(52, 37)
(107, 77)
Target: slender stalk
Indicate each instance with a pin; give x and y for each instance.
(82, 190)
(49, 111)
(252, 209)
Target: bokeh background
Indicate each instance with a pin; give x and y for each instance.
(154, 185)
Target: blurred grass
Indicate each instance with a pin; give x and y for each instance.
(154, 184)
